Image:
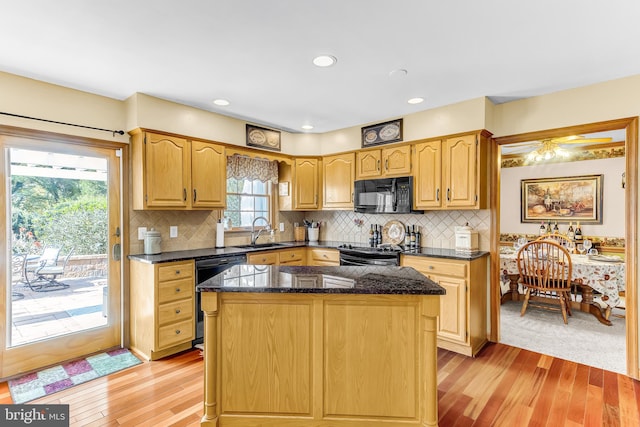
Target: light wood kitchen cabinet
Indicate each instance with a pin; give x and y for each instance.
(208, 175)
(462, 324)
(323, 256)
(171, 172)
(337, 181)
(162, 308)
(392, 161)
(452, 173)
(292, 256)
(306, 188)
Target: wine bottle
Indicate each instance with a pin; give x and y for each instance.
(571, 234)
(578, 234)
(555, 227)
(371, 239)
(549, 227)
(407, 238)
(413, 236)
(418, 238)
(379, 239)
(543, 229)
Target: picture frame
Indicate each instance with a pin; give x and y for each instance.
(260, 137)
(382, 133)
(562, 199)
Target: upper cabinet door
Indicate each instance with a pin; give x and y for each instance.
(208, 175)
(306, 181)
(338, 178)
(460, 167)
(166, 171)
(397, 161)
(369, 164)
(428, 175)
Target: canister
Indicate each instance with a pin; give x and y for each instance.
(152, 242)
(466, 239)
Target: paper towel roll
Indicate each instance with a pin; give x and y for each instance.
(219, 235)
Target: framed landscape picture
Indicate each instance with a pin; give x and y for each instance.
(563, 199)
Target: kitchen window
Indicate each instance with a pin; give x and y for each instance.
(247, 199)
(249, 190)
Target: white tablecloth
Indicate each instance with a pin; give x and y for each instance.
(607, 278)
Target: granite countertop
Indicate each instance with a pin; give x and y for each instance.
(333, 280)
(197, 254)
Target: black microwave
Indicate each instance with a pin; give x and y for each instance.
(385, 195)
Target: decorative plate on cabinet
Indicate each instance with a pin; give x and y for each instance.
(393, 232)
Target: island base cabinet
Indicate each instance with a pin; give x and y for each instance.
(311, 360)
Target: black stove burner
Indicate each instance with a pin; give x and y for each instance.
(382, 248)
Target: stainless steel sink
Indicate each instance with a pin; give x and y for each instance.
(260, 246)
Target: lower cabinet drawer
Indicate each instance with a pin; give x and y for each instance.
(175, 290)
(429, 266)
(289, 257)
(175, 333)
(175, 311)
(263, 259)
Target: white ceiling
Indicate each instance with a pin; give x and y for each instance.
(257, 54)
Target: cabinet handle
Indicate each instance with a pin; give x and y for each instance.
(351, 197)
(177, 289)
(177, 311)
(194, 195)
(184, 194)
(378, 165)
(293, 255)
(438, 195)
(177, 331)
(324, 255)
(386, 165)
(448, 195)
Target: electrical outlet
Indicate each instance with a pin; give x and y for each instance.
(173, 231)
(282, 226)
(141, 232)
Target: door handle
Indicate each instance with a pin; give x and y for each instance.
(115, 252)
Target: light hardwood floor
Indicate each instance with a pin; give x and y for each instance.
(502, 386)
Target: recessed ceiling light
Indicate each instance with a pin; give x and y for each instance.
(417, 100)
(307, 127)
(324, 60)
(221, 102)
(399, 73)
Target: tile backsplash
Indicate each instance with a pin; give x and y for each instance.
(196, 229)
(437, 227)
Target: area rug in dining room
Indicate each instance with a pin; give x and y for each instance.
(58, 378)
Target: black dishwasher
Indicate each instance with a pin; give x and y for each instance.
(206, 269)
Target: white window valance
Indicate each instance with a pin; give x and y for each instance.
(244, 167)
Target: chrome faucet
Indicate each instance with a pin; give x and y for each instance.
(254, 235)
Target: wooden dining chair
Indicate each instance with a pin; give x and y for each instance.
(561, 239)
(545, 269)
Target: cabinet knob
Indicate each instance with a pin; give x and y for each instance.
(177, 272)
(177, 311)
(324, 255)
(177, 289)
(177, 331)
(431, 267)
(293, 255)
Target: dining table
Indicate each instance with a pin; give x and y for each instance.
(600, 279)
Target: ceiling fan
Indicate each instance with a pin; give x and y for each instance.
(550, 148)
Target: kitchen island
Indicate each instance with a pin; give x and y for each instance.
(320, 346)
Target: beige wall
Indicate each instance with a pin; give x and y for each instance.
(27, 97)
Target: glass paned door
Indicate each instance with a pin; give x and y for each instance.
(63, 220)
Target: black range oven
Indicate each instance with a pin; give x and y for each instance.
(363, 255)
(206, 269)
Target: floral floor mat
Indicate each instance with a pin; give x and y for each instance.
(51, 380)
